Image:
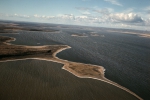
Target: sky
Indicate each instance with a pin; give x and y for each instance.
(130, 14)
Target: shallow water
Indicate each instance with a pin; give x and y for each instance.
(45, 80)
(125, 57)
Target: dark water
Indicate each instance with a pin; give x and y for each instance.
(125, 57)
(44, 80)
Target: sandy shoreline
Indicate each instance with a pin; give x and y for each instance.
(78, 69)
(101, 70)
(75, 35)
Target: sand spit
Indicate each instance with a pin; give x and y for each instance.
(122, 32)
(145, 35)
(76, 35)
(88, 71)
(94, 34)
(49, 52)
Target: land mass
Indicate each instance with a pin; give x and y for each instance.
(79, 35)
(15, 28)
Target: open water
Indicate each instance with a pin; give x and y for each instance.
(126, 57)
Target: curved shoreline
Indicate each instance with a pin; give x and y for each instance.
(65, 67)
(68, 64)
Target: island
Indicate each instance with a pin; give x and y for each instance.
(15, 28)
(79, 35)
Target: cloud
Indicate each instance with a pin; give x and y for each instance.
(147, 22)
(67, 16)
(94, 10)
(114, 2)
(24, 16)
(37, 16)
(92, 16)
(126, 18)
(86, 13)
(147, 9)
(2, 14)
(104, 11)
(15, 15)
(107, 17)
(129, 10)
(83, 8)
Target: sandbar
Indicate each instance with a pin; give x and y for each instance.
(79, 35)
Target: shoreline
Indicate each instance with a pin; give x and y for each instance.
(104, 79)
(96, 72)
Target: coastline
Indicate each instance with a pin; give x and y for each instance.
(97, 72)
(66, 67)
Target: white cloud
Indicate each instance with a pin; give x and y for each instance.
(18, 15)
(126, 18)
(94, 16)
(114, 2)
(123, 19)
(67, 16)
(37, 16)
(86, 13)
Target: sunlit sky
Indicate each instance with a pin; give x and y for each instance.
(134, 14)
